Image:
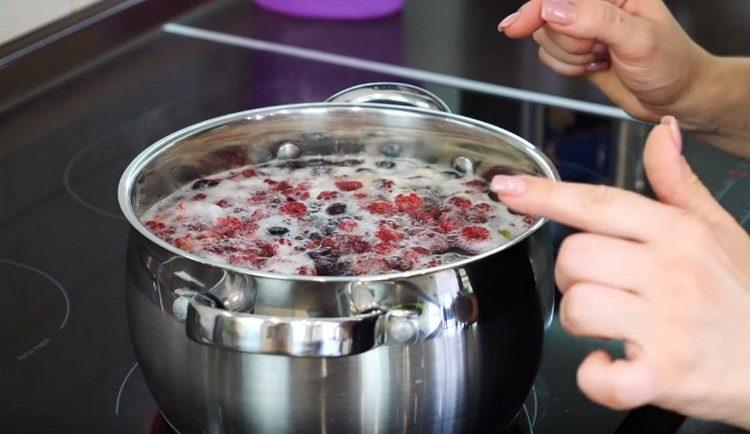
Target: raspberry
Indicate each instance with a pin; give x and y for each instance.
(409, 203)
(381, 207)
(249, 173)
(184, 243)
(283, 187)
(475, 233)
(155, 226)
(257, 198)
(448, 223)
(328, 195)
(361, 195)
(305, 271)
(388, 235)
(294, 209)
(347, 225)
(460, 202)
(224, 203)
(199, 196)
(348, 185)
(382, 248)
(227, 226)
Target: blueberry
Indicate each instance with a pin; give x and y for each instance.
(277, 230)
(336, 208)
(203, 183)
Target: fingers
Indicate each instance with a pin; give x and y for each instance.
(599, 311)
(567, 69)
(603, 260)
(599, 20)
(618, 384)
(594, 208)
(524, 22)
(670, 175)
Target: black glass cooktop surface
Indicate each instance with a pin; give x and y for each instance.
(66, 362)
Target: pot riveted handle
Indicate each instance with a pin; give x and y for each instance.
(391, 93)
(298, 337)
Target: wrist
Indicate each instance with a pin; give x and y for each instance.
(717, 105)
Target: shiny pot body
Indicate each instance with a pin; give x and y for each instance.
(451, 349)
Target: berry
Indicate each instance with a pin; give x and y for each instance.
(388, 235)
(294, 209)
(348, 185)
(328, 195)
(448, 223)
(460, 202)
(249, 173)
(199, 196)
(336, 209)
(409, 203)
(381, 207)
(224, 203)
(477, 184)
(347, 225)
(475, 233)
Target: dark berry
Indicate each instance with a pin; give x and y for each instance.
(386, 164)
(203, 183)
(336, 209)
(277, 230)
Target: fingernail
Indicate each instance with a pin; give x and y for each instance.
(508, 185)
(507, 21)
(597, 66)
(559, 11)
(674, 129)
(599, 49)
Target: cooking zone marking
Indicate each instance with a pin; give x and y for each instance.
(43, 342)
(122, 387)
(399, 71)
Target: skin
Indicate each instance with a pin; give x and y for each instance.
(669, 277)
(637, 54)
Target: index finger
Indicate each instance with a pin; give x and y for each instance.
(523, 23)
(593, 208)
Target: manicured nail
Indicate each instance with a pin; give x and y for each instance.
(559, 11)
(508, 185)
(599, 49)
(674, 129)
(601, 65)
(507, 21)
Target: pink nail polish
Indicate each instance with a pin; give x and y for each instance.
(597, 66)
(561, 12)
(507, 21)
(674, 129)
(505, 185)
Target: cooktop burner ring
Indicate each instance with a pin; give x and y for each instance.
(27, 349)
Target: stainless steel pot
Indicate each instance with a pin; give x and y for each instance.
(448, 349)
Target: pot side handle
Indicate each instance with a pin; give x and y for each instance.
(298, 337)
(391, 93)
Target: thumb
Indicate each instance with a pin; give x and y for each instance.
(671, 177)
(601, 20)
(618, 384)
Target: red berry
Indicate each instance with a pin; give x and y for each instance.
(448, 223)
(224, 203)
(184, 243)
(257, 198)
(328, 195)
(381, 207)
(482, 207)
(227, 226)
(388, 235)
(199, 196)
(460, 202)
(347, 225)
(348, 185)
(361, 195)
(369, 265)
(382, 248)
(305, 270)
(294, 209)
(249, 173)
(409, 203)
(475, 233)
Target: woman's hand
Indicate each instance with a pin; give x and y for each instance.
(670, 277)
(643, 61)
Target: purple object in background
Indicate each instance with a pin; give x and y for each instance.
(334, 9)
